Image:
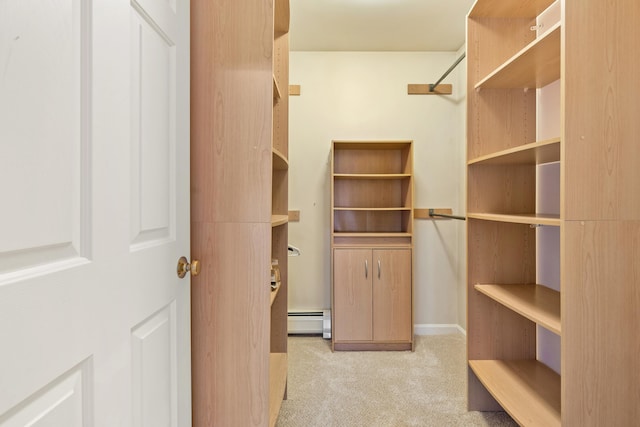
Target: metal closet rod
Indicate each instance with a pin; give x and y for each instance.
(446, 73)
(432, 213)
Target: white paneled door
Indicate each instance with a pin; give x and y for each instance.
(94, 213)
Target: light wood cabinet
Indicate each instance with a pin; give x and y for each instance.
(239, 180)
(514, 54)
(372, 225)
(372, 290)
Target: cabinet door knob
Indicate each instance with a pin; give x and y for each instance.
(378, 269)
(366, 269)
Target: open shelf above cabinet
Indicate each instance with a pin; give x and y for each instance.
(511, 9)
(535, 153)
(535, 66)
(535, 302)
(533, 219)
(381, 234)
(372, 176)
(527, 389)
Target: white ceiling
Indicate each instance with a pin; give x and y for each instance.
(378, 25)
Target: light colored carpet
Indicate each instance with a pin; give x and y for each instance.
(381, 389)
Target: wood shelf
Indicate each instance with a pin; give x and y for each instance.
(276, 89)
(281, 17)
(372, 175)
(535, 66)
(277, 220)
(533, 219)
(280, 161)
(535, 153)
(527, 389)
(369, 144)
(380, 234)
(535, 302)
(277, 384)
(513, 9)
(274, 292)
(373, 245)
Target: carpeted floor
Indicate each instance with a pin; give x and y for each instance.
(380, 389)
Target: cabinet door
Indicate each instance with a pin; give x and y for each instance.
(392, 295)
(352, 297)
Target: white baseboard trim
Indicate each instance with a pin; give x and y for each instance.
(438, 329)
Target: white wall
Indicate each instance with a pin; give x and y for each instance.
(363, 95)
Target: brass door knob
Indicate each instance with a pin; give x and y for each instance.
(184, 266)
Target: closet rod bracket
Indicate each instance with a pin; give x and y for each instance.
(432, 213)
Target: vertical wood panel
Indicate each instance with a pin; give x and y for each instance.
(281, 108)
(231, 110)
(600, 323)
(231, 166)
(601, 112)
(230, 326)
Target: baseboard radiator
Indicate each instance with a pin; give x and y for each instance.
(310, 322)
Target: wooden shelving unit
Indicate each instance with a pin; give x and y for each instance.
(279, 209)
(239, 171)
(371, 241)
(595, 312)
(504, 304)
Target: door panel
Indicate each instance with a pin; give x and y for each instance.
(392, 295)
(153, 131)
(45, 160)
(94, 124)
(154, 370)
(352, 298)
(63, 402)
